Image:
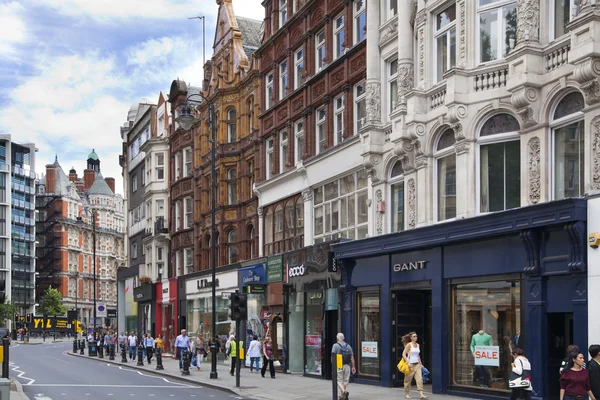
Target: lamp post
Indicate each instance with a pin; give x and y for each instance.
(92, 213)
(186, 119)
(76, 307)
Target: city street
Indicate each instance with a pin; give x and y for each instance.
(46, 373)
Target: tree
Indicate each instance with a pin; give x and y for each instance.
(51, 303)
(7, 310)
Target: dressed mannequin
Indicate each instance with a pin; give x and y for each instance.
(481, 339)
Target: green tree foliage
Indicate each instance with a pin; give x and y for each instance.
(7, 310)
(51, 303)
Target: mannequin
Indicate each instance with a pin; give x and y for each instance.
(481, 339)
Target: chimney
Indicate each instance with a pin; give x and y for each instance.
(111, 183)
(50, 178)
(88, 178)
(72, 175)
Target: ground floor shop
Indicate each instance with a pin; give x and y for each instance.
(166, 312)
(144, 296)
(473, 290)
(127, 310)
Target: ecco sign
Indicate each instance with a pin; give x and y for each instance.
(296, 271)
(410, 266)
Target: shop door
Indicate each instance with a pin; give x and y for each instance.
(412, 312)
(560, 335)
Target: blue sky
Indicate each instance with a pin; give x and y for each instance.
(70, 69)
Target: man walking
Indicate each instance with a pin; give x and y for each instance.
(149, 346)
(232, 354)
(593, 367)
(132, 341)
(182, 342)
(343, 375)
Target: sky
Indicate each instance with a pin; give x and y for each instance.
(70, 69)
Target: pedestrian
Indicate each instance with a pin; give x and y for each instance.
(593, 367)
(268, 358)
(149, 346)
(159, 344)
(521, 370)
(122, 340)
(254, 352)
(572, 348)
(199, 350)
(232, 354)
(343, 375)
(182, 343)
(575, 380)
(132, 341)
(412, 356)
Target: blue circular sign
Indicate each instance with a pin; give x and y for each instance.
(100, 308)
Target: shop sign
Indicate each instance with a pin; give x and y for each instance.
(165, 292)
(256, 289)
(296, 271)
(369, 350)
(312, 341)
(111, 313)
(487, 355)
(275, 269)
(143, 293)
(206, 284)
(332, 262)
(254, 275)
(410, 266)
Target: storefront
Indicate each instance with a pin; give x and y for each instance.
(144, 297)
(253, 281)
(472, 290)
(127, 320)
(166, 312)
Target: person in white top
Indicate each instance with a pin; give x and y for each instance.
(412, 356)
(149, 346)
(132, 342)
(254, 352)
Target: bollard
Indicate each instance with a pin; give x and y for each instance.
(100, 351)
(159, 365)
(81, 346)
(123, 353)
(75, 346)
(140, 356)
(5, 359)
(334, 385)
(186, 363)
(111, 352)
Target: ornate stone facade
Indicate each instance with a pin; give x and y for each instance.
(533, 171)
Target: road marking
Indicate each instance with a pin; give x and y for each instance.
(152, 376)
(21, 374)
(42, 398)
(114, 386)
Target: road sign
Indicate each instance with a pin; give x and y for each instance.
(101, 311)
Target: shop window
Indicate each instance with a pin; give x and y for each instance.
(561, 14)
(397, 197)
(314, 333)
(360, 20)
(231, 126)
(232, 252)
(446, 176)
(445, 41)
(499, 164)
(338, 36)
(497, 28)
(485, 314)
(568, 134)
(369, 337)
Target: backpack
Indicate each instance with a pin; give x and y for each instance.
(346, 353)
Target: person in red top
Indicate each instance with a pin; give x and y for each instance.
(575, 381)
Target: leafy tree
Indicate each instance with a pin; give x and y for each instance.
(7, 310)
(51, 303)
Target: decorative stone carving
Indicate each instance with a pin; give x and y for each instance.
(259, 211)
(533, 173)
(421, 42)
(379, 222)
(522, 100)
(456, 113)
(307, 195)
(412, 203)
(390, 33)
(374, 102)
(372, 174)
(461, 147)
(587, 74)
(458, 131)
(420, 162)
(596, 153)
(462, 34)
(528, 20)
(527, 117)
(406, 80)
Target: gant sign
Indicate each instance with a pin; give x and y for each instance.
(410, 266)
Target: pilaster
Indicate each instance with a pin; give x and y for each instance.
(406, 73)
(261, 231)
(373, 65)
(307, 198)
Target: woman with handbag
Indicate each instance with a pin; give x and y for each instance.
(199, 350)
(268, 358)
(519, 381)
(412, 356)
(575, 380)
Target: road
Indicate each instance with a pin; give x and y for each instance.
(48, 373)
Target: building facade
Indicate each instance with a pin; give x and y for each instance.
(17, 235)
(65, 239)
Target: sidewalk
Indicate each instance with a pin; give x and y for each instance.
(285, 386)
(16, 390)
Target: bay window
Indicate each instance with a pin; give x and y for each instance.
(338, 36)
(284, 226)
(321, 130)
(360, 106)
(299, 137)
(360, 20)
(397, 197)
(445, 41)
(445, 156)
(299, 68)
(497, 28)
(320, 50)
(338, 120)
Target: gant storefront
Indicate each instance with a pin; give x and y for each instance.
(473, 290)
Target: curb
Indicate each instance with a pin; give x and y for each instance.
(163, 374)
(18, 388)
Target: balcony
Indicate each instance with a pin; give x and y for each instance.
(23, 172)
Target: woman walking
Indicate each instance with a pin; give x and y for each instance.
(412, 356)
(521, 371)
(200, 351)
(575, 380)
(268, 358)
(254, 353)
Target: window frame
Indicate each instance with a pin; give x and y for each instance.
(552, 16)
(320, 130)
(160, 167)
(231, 125)
(320, 44)
(188, 157)
(341, 110)
(356, 26)
(338, 52)
(298, 78)
(232, 186)
(284, 79)
(392, 79)
(388, 9)
(495, 5)
(269, 89)
(359, 99)
(298, 133)
(394, 180)
(269, 163)
(188, 211)
(231, 245)
(177, 162)
(134, 183)
(438, 33)
(283, 13)
(437, 156)
(283, 150)
(178, 215)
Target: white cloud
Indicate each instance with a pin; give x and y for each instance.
(13, 29)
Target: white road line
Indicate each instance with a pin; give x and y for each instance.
(152, 376)
(42, 398)
(21, 374)
(112, 386)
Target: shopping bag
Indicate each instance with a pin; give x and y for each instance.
(403, 367)
(276, 363)
(194, 361)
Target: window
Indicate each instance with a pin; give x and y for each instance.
(269, 100)
(187, 159)
(321, 130)
(177, 166)
(299, 137)
(283, 13)
(160, 208)
(299, 68)
(134, 183)
(446, 176)
(392, 84)
(250, 166)
(391, 8)
(283, 79)
(568, 146)
(232, 254)
(189, 212)
(283, 151)
(320, 54)
(338, 36)
(487, 313)
(160, 251)
(341, 208)
(500, 164)
(360, 20)
(497, 28)
(231, 186)
(397, 197)
(231, 126)
(445, 41)
(134, 253)
(189, 258)
(269, 232)
(177, 215)
(360, 106)
(284, 226)
(560, 16)
(368, 364)
(160, 166)
(338, 120)
(250, 251)
(270, 159)
(143, 175)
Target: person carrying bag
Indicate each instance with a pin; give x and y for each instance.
(519, 380)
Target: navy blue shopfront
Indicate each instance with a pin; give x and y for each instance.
(491, 283)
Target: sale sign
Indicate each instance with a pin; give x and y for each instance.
(312, 341)
(487, 355)
(368, 349)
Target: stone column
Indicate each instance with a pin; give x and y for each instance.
(373, 64)
(406, 72)
(261, 231)
(307, 197)
(528, 21)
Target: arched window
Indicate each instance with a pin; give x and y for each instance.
(446, 176)
(499, 164)
(269, 232)
(299, 223)
(231, 186)
(250, 242)
(278, 222)
(232, 253)
(231, 126)
(568, 146)
(397, 197)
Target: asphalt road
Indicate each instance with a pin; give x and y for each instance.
(48, 373)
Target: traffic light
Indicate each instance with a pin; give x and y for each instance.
(28, 318)
(16, 317)
(239, 303)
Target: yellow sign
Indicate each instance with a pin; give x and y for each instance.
(1, 354)
(241, 351)
(338, 361)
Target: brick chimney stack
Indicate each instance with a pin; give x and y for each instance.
(72, 175)
(88, 178)
(50, 178)
(111, 183)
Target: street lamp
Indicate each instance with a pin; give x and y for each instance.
(186, 120)
(92, 214)
(76, 273)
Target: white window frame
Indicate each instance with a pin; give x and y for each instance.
(320, 129)
(269, 88)
(270, 154)
(444, 31)
(188, 209)
(283, 13)
(337, 30)
(160, 166)
(337, 111)
(298, 133)
(552, 15)
(438, 155)
(143, 174)
(357, 14)
(389, 13)
(284, 81)
(177, 165)
(299, 68)
(392, 78)
(178, 215)
(134, 250)
(187, 160)
(134, 183)
(160, 209)
(186, 259)
(498, 4)
(393, 180)
(231, 126)
(320, 44)
(283, 149)
(357, 100)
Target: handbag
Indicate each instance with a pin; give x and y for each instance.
(519, 382)
(276, 363)
(194, 361)
(403, 366)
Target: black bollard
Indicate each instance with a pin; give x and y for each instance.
(186, 363)
(100, 350)
(159, 365)
(140, 356)
(75, 346)
(81, 346)
(123, 354)
(111, 352)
